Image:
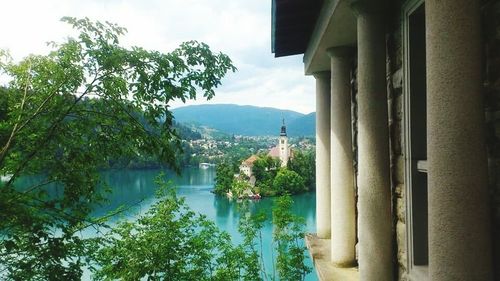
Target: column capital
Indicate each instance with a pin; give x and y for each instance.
(321, 74)
(341, 52)
(368, 6)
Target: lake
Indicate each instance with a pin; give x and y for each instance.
(136, 187)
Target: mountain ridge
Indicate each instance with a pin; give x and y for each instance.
(246, 120)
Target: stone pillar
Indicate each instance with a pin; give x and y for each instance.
(459, 220)
(343, 210)
(323, 217)
(374, 187)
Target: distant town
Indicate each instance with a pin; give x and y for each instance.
(213, 150)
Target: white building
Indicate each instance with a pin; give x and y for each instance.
(247, 165)
(282, 150)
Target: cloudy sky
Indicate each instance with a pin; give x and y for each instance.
(239, 28)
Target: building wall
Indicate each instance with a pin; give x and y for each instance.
(283, 150)
(394, 65)
(491, 29)
(246, 170)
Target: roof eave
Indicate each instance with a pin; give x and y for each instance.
(336, 26)
(291, 25)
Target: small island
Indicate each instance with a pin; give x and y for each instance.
(282, 170)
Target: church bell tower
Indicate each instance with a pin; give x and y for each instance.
(283, 145)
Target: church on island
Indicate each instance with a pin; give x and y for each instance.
(282, 151)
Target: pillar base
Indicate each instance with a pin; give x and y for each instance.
(320, 252)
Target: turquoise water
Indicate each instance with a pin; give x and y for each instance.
(137, 188)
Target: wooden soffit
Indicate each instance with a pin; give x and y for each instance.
(292, 25)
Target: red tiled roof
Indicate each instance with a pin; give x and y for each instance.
(249, 161)
(275, 152)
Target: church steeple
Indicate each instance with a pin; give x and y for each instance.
(283, 129)
(283, 145)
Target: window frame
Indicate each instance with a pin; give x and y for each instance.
(415, 272)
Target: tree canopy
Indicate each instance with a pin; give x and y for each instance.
(287, 181)
(170, 242)
(224, 178)
(304, 164)
(265, 168)
(64, 115)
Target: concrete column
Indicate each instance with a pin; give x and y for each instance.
(374, 188)
(459, 220)
(343, 207)
(323, 217)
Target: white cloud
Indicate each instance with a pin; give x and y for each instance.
(239, 28)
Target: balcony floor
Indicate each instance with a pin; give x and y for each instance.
(319, 249)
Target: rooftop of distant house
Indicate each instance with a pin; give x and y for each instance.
(249, 161)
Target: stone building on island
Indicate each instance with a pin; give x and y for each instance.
(407, 135)
(247, 165)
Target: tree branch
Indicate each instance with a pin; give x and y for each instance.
(6, 147)
(51, 131)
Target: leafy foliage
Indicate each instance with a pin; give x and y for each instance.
(224, 178)
(170, 242)
(287, 181)
(240, 187)
(265, 168)
(273, 180)
(143, 161)
(288, 235)
(304, 164)
(288, 251)
(66, 114)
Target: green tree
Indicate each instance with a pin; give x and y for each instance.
(304, 164)
(288, 253)
(224, 178)
(287, 181)
(171, 242)
(68, 113)
(239, 187)
(250, 226)
(260, 170)
(287, 236)
(265, 168)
